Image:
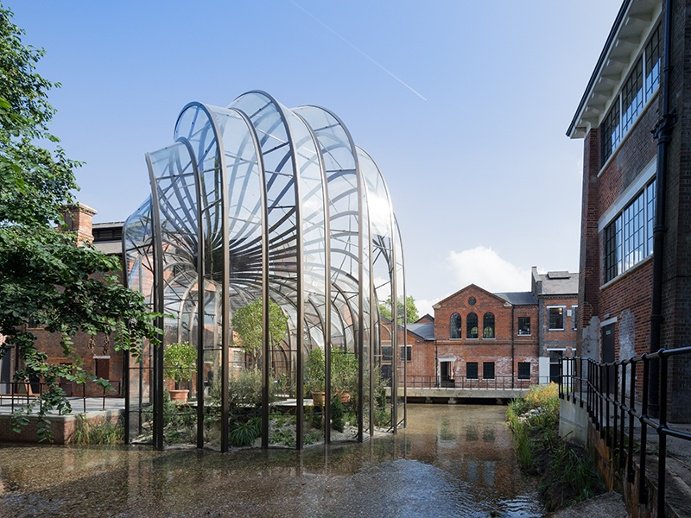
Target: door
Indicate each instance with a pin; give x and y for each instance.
(446, 374)
(555, 365)
(608, 355)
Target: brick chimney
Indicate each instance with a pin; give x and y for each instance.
(79, 218)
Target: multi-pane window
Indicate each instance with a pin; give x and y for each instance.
(632, 96)
(652, 63)
(629, 238)
(455, 326)
(471, 325)
(471, 370)
(488, 370)
(523, 370)
(556, 318)
(640, 85)
(611, 133)
(488, 325)
(524, 326)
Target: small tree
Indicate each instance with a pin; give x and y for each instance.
(247, 322)
(410, 308)
(44, 276)
(179, 362)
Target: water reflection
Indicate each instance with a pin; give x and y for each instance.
(451, 460)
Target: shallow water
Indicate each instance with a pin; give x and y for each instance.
(452, 460)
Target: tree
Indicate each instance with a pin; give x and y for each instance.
(411, 310)
(247, 322)
(44, 276)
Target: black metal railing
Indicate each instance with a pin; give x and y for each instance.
(463, 382)
(616, 396)
(22, 393)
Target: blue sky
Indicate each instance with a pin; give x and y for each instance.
(463, 104)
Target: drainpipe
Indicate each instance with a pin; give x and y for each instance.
(513, 346)
(663, 134)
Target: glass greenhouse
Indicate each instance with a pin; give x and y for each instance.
(268, 244)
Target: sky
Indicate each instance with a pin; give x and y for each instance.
(464, 105)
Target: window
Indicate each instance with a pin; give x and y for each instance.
(640, 85)
(471, 325)
(610, 131)
(386, 352)
(556, 318)
(523, 370)
(628, 238)
(574, 318)
(632, 96)
(488, 325)
(488, 370)
(471, 370)
(555, 365)
(523, 326)
(455, 326)
(652, 63)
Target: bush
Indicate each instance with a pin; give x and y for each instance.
(568, 475)
(102, 433)
(245, 433)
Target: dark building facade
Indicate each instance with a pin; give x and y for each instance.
(635, 285)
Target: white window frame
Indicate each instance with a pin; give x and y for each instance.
(563, 318)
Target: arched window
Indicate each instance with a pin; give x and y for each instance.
(488, 325)
(471, 325)
(455, 326)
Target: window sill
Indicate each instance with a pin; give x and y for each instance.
(557, 329)
(627, 272)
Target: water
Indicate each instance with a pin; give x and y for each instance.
(452, 460)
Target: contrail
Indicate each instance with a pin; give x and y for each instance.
(359, 51)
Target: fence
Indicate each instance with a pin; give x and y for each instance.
(463, 382)
(25, 392)
(616, 395)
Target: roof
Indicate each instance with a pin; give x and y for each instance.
(519, 298)
(424, 331)
(108, 224)
(558, 283)
(631, 26)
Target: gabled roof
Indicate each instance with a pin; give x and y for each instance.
(558, 283)
(467, 288)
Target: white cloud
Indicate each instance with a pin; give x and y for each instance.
(484, 267)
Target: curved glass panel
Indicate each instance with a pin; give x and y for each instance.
(269, 243)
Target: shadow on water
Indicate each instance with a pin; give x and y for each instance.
(451, 460)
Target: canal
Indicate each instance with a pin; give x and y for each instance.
(452, 460)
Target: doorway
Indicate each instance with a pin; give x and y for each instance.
(608, 355)
(446, 371)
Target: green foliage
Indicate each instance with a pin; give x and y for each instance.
(244, 390)
(247, 322)
(44, 277)
(244, 433)
(567, 473)
(411, 312)
(337, 413)
(315, 370)
(343, 370)
(179, 361)
(101, 433)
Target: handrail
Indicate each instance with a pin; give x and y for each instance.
(463, 382)
(610, 393)
(22, 392)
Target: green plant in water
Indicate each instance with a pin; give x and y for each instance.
(100, 433)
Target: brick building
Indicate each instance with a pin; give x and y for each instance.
(635, 119)
(96, 353)
(508, 339)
